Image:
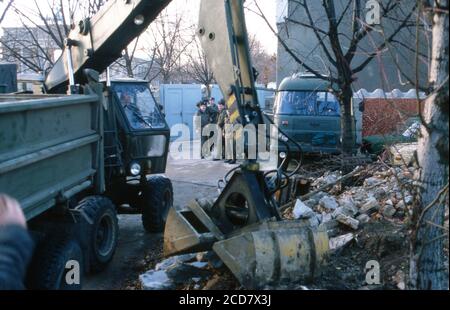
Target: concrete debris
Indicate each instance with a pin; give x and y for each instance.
(311, 202)
(302, 211)
(389, 202)
(327, 178)
(400, 205)
(371, 205)
(182, 273)
(349, 204)
(326, 217)
(348, 221)
(339, 211)
(372, 181)
(173, 271)
(363, 218)
(328, 203)
(389, 211)
(379, 193)
(409, 200)
(174, 260)
(399, 278)
(314, 221)
(340, 241)
(156, 280)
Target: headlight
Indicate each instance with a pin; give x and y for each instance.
(283, 137)
(135, 169)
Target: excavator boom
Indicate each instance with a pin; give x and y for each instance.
(97, 42)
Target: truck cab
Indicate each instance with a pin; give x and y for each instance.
(143, 133)
(307, 111)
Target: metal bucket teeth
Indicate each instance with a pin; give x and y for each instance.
(274, 254)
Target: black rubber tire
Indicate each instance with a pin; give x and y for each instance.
(102, 231)
(48, 268)
(156, 200)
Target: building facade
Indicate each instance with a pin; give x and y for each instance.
(393, 67)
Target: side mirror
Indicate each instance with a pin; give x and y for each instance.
(361, 106)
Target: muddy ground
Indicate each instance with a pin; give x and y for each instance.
(137, 250)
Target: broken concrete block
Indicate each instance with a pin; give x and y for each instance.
(340, 241)
(400, 205)
(174, 260)
(341, 210)
(372, 181)
(363, 218)
(302, 211)
(329, 203)
(347, 202)
(371, 205)
(330, 224)
(314, 221)
(388, 211)
(379, 193)
(156, 280)
(318, 196)
(389, 202)
(311, 202)
(348, 221)
(326, 217)
(409, 200)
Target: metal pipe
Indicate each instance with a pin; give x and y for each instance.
(70, 70)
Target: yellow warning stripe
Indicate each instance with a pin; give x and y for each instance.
(234, 116)
(231, 101)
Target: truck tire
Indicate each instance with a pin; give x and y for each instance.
(156, 200)
(102, 231)
(54, 259)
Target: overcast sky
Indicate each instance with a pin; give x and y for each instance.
(255, 24)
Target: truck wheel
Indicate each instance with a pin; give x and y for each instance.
(56, 265)
(156, 200)
(102, 230)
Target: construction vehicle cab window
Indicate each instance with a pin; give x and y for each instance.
(139, 106)
(123, 171)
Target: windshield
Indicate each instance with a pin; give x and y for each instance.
(140, 108)
(307, 103)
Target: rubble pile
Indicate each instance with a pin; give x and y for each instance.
(189, 271)
(365, 218)
(384, 193)
(365, 214)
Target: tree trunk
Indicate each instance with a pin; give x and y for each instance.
(427, 269)
(347, 121)
(128, 64)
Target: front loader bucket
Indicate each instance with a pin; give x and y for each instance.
(274, 254)
(189, 230)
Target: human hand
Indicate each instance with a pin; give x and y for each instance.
(10, 212)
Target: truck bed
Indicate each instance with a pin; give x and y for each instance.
(49, 148)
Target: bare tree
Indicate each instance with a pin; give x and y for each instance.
(126, 62)
(42, 31)
(427, 269)
(168, 38)
(197, 67)
(264, 63)
(340, 37)
(7, 6)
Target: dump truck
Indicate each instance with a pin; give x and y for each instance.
(86, 150)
